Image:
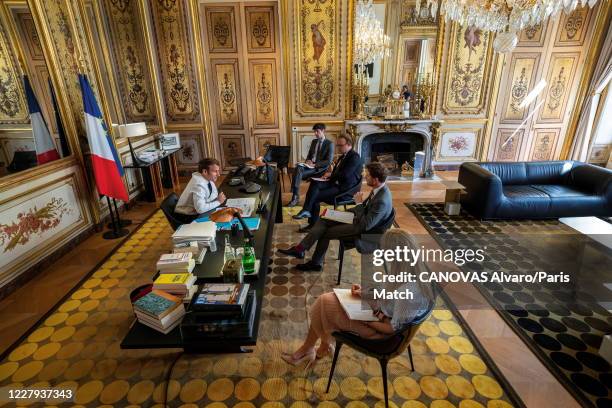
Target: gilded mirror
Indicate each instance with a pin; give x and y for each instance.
(31, 131)
(413, 55)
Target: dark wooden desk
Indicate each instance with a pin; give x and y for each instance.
(160, 173)
(142, 337)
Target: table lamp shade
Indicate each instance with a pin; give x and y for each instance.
(133, 129)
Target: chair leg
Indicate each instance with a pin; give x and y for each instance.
(333, 367)
(341, 256)
(344, 207)
(383, 367)
(410, 356)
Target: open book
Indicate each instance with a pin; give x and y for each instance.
(352, 305)
(344, 217)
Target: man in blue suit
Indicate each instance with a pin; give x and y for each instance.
(346, 174)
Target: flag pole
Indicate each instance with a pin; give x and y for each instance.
(116, 230)
(122, 222)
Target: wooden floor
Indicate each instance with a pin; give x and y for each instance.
(532, 381)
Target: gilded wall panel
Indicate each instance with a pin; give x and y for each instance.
(130, 60)
(468, 69)
(544, 144)
(226, 80)
(522, 74)
(260, 29)
(26, 22)
(573, 28)
(13, 108)
(560, 79)
(533, 36)
(264, 141)
(263, 91)
(509, 142)
(193, 149)
(221, 28)
(174, 53)
(317, 57)
(232, 147)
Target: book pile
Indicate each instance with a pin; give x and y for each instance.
(202, 232)
(221, 300)
(181, 285)
(182, 262)
(197, 251)
(159, 310)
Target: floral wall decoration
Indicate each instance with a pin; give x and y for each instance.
(175, 61)
(33, 222)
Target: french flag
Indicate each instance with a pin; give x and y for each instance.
(106, 165)
(45, 149)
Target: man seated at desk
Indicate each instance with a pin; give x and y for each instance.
(320, 156)
(201, 193)
(345, 174)
(368, 214)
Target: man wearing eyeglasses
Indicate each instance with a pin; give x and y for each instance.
(345, 175)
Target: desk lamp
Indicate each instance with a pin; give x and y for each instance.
(130, 130)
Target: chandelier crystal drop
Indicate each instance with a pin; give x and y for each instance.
(503, 16)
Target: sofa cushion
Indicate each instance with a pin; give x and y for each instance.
(509, 173)
(548, 172)
(556, 190)
(523, 191)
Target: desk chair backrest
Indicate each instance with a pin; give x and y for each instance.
(410, 330)
(168, 206)
(279, 155)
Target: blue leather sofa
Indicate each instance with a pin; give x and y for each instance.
(549, 189)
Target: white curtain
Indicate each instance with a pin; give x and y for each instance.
(601, 76)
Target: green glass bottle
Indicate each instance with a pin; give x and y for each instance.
(248, 258)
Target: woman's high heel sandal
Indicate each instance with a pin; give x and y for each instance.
(328, 351)
(309, 357)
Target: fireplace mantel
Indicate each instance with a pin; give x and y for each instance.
(429, 129)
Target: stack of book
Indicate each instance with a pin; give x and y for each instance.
(181, 285)
(182, 262)
(202, 232)
(159, 310)
(221, 300)
(197, 251)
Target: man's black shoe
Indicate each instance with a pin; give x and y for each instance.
(309, 266)
(292, 252)
(294, 201)
(305, 228)
(302, 214)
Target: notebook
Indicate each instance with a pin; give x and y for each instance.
(353, 306)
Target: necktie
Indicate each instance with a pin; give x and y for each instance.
(209, 187)
(316, 152)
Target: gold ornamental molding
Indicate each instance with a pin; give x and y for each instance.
(35, 173)
(13, 109)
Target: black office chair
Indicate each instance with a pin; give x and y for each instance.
(364, 245)
(381, 349)
(345, 198)
(279, 155)
(168, 206)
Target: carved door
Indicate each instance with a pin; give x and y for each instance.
(243, 72)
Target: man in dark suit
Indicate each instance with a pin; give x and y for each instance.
(369, 214)
(346, 173)
(320, 156)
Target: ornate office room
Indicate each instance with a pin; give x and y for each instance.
(272, 147)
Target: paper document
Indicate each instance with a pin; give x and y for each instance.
(310, 166)
(344, 217)
(352, 305)
(247, 205)
(319, 179)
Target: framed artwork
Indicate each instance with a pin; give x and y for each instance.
(459, 145)
(170, 141)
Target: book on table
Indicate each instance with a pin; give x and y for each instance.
(221, 297)
(354, 307)
(182, 262)
(201, 232)
(159, 310)
(177, 284)
(197, 251)
(345, 217)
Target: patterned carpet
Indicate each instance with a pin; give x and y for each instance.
(77, 346)
(563, 323)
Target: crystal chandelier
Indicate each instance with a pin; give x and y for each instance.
(504, 17)
(370, 44)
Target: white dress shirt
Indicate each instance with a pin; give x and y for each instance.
(198, 197)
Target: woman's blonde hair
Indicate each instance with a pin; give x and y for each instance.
(396, 237)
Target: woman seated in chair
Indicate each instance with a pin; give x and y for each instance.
(327, 315)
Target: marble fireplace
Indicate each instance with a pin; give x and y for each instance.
(396, 139)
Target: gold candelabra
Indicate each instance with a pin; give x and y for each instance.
(361, 86)
(423, 91)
